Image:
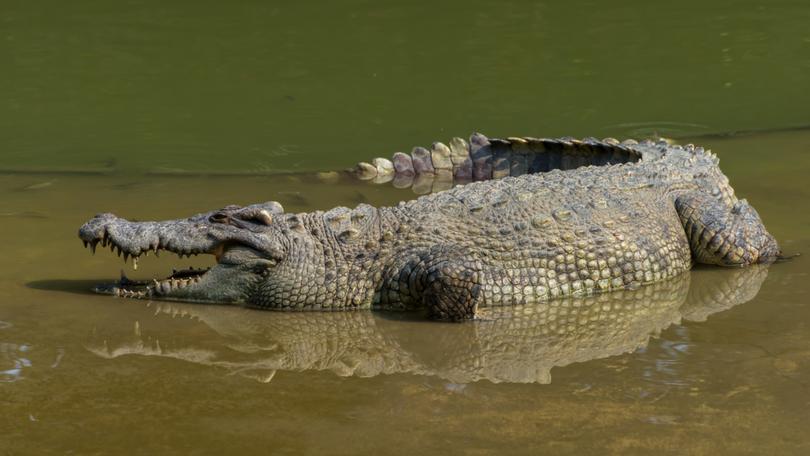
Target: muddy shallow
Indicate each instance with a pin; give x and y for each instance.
(717, 360)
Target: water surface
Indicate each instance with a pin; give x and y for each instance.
(716, 362)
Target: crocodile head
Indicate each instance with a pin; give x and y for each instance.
(241, 238)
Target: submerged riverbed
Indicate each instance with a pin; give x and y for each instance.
(152, 110)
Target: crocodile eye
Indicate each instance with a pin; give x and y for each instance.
(254, 215)
(261, 217)
(219, 217)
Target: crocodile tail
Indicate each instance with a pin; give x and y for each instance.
(480, 158)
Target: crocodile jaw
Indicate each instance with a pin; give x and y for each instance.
(239, 247)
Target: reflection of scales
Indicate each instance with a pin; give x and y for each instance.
(509, 344)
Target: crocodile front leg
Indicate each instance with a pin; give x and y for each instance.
(725, 235)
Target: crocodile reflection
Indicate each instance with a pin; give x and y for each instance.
(512, 344)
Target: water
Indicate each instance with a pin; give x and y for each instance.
(194, 85)
(205, 88)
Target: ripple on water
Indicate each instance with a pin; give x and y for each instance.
(666, 129)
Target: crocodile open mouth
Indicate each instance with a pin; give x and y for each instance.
(179, 279)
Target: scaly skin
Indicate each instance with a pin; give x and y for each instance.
(643, 212)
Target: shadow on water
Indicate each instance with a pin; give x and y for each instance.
(82, 287)
(518, 344)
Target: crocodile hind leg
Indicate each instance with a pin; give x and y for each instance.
(453, 290)
(724, 234)
(443, 279)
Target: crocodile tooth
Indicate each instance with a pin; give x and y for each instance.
(85, 244)
(126, 256)
(93, 246)
(135, 263)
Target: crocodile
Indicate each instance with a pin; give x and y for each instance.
(541, 219)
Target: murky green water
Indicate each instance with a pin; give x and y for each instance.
(717, 362)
